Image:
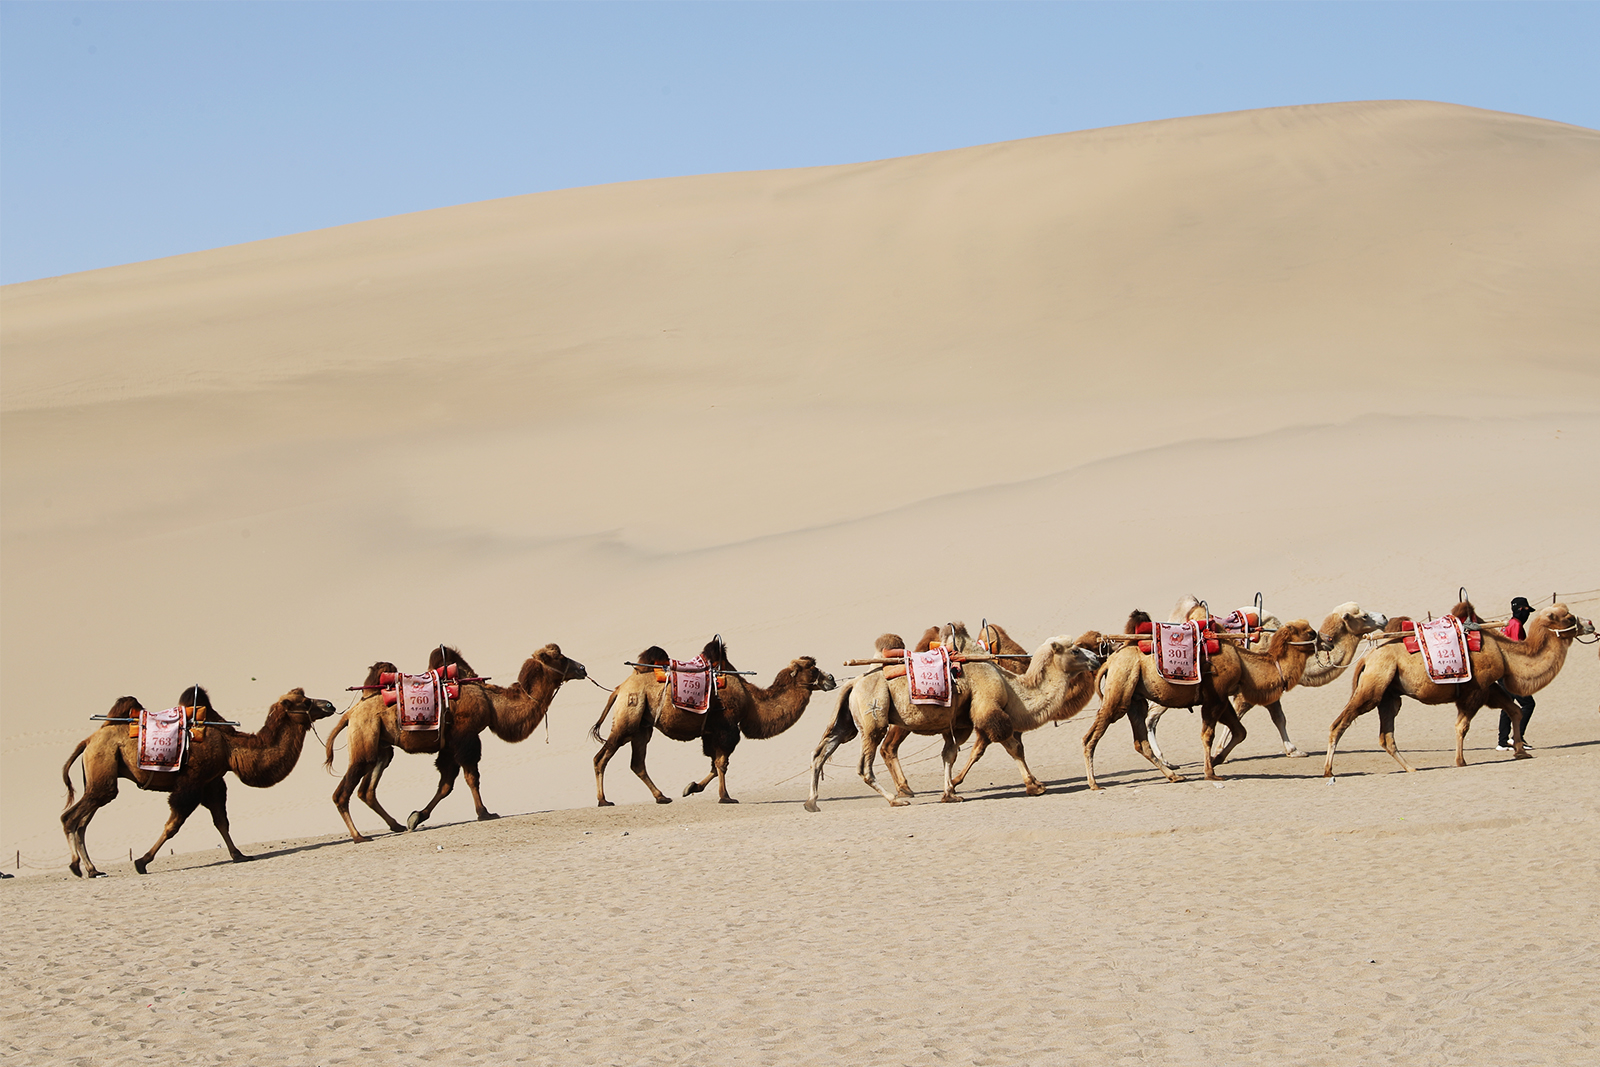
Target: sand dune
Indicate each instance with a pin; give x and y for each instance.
(1328, 353)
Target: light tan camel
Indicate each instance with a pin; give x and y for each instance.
(1502, 669)
(1129, 683)
(509, 712)
(872, 705)
(1057, 683)
(643, 705)
(260, 759)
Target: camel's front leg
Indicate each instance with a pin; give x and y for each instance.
(1275, 709)
(182, 805)
(719, 763)
(1013, 745)
(948, 754)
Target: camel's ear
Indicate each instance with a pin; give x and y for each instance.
(1057, 647)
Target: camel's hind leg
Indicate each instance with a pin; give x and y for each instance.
(469, 753)
(871, 738)
(1211, 713)
(1152, 749)
(641, 741)
(75, 820)
(893, 738)
(354, 775)
(368, 790)
(699, 784)
(182, 805)
(980, 744)
(825, 748)
(449, 766)
(948, 755)
(1138, 708)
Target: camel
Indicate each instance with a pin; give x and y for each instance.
(1502, 668)
(871, 706)
(260, 759)
(1341, 632)
(1130, 683)
(1056, 685)
(509, 712)
(643, 705)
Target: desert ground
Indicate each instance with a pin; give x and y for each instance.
(1328, 353)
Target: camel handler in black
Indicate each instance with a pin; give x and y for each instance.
(1516, 630)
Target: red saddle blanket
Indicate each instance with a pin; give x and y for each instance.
(1176, 646)
(689, 684)
(1446, 650)
(163, 741)
(1407, 627)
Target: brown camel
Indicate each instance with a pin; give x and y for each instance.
(260, 759)
(509, 712)
(1501, 670)
(643, 706)
(1341, 633)
(1130, 683)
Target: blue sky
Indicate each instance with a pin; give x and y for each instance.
(130, 131)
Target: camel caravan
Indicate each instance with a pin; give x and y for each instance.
(989, 689)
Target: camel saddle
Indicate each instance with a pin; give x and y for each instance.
(426, 696)
(1177, 647)
(163, 739)
(929, 677)
(1212, 644)
(893, 671)
(194, 720)
(689, 684)
(1408, 627)
(1446, 651)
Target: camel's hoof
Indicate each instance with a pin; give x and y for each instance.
(98, 874)
(1522, 755)
(396, 828)
(899, 802)
(242, 858)
(360, 839)
(604, 804)
(142, 865)
(811, 805)
(663, 799)
(77, 871)
(1035, 789)
(726, 800)
(1176, 778)
(486, 816)
(1295, 753)
(692, 788)
(951, 798)
(414, 820)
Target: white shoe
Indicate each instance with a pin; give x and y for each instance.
(1506, 748)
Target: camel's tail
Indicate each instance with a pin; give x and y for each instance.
(594, 731)
(844, 724)
(338, 727)
(66, 769)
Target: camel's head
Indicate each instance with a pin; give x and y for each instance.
(1348, 618)
(809, 675)
(1071, 656)
(1301, 636)
(550, 658)
(1561, 622)
(299, 706)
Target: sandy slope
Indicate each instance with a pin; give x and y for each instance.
(1329, 353)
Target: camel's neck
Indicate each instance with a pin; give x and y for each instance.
(266, 757)
(1533, 663)
(775, 709)
(1268, 677)
(1321, 671)
(1058, 695)
(517, 710)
